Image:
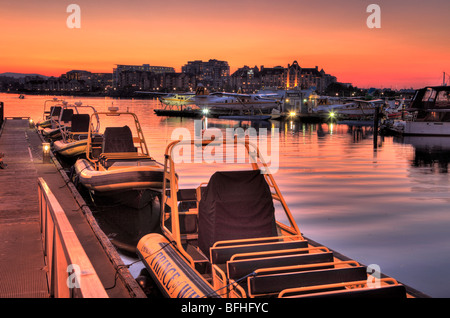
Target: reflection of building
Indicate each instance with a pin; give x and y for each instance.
(213, 74)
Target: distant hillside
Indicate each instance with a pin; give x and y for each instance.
(21, 75)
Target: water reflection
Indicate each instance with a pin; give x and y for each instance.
(430, 152)
(387, 206)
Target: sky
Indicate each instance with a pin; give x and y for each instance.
(411, 49)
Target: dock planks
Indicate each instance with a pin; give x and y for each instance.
(22, 265)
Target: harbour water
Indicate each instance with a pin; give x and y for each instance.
(387, 206)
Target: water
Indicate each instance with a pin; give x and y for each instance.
(388, 206)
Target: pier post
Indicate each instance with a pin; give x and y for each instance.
(375, 127)
(1, 114)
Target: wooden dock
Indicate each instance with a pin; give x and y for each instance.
(23, 270)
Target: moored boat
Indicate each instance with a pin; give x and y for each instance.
(52, 110)
(351, 109)
(430, 110)
(118, 165)
(235, 237)
(57, 124)
(73, 140)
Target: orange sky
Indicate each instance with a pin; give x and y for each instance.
(410, 50)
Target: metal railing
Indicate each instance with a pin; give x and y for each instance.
(70, 272)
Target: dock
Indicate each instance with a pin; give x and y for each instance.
(45, 225)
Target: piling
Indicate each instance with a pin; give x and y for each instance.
(375, 127)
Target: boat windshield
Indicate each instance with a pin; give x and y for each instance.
(443, 99)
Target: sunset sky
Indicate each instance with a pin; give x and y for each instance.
(411, 49)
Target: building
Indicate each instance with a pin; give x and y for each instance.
(246, 80)
(213, 74)
(136, 76)
(273, 77)
(291, 77)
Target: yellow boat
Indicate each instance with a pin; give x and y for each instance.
(235, 237)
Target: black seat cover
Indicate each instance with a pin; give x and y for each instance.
(235, 205)
(118, 139)
(55, 110)
(66, 115)
(80, 122)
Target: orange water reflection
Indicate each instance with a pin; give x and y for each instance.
(387, 206)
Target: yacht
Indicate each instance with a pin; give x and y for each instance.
(430, 109)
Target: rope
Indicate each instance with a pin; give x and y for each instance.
(132, 263)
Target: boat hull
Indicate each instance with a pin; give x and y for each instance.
(70, 149)
(427, 128)
(170, 270)
(127, 178)
(51, 133)
(44, 123)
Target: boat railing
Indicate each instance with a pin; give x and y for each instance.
(170, 200)
(70, 273)
(95, 139)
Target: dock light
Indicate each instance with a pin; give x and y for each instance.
(205, 111)
(45, 152)
(332, 114)
(292, 114)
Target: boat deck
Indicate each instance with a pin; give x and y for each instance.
(23, 273)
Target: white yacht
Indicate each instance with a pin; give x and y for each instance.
(430, 108)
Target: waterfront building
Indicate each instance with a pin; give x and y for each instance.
(273, 77)
(246, 80)
(213, 74)
(291, 77)
(136, 76)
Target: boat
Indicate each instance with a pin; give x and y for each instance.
(235, 237)
(74, 136)
(396, 109)
(52, 110)
(58, 123)
(247, 117)
(219, 102)
(430, 110)
(118, 168)
(351, 109)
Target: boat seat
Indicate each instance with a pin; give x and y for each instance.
(187, 195)
(55, 111)
(222, 254)
(235, 205)
(237, 269)
(123, 159)
(66, 116)
(395, 291)
(118, 140)
(80, 123)
(275, 283)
